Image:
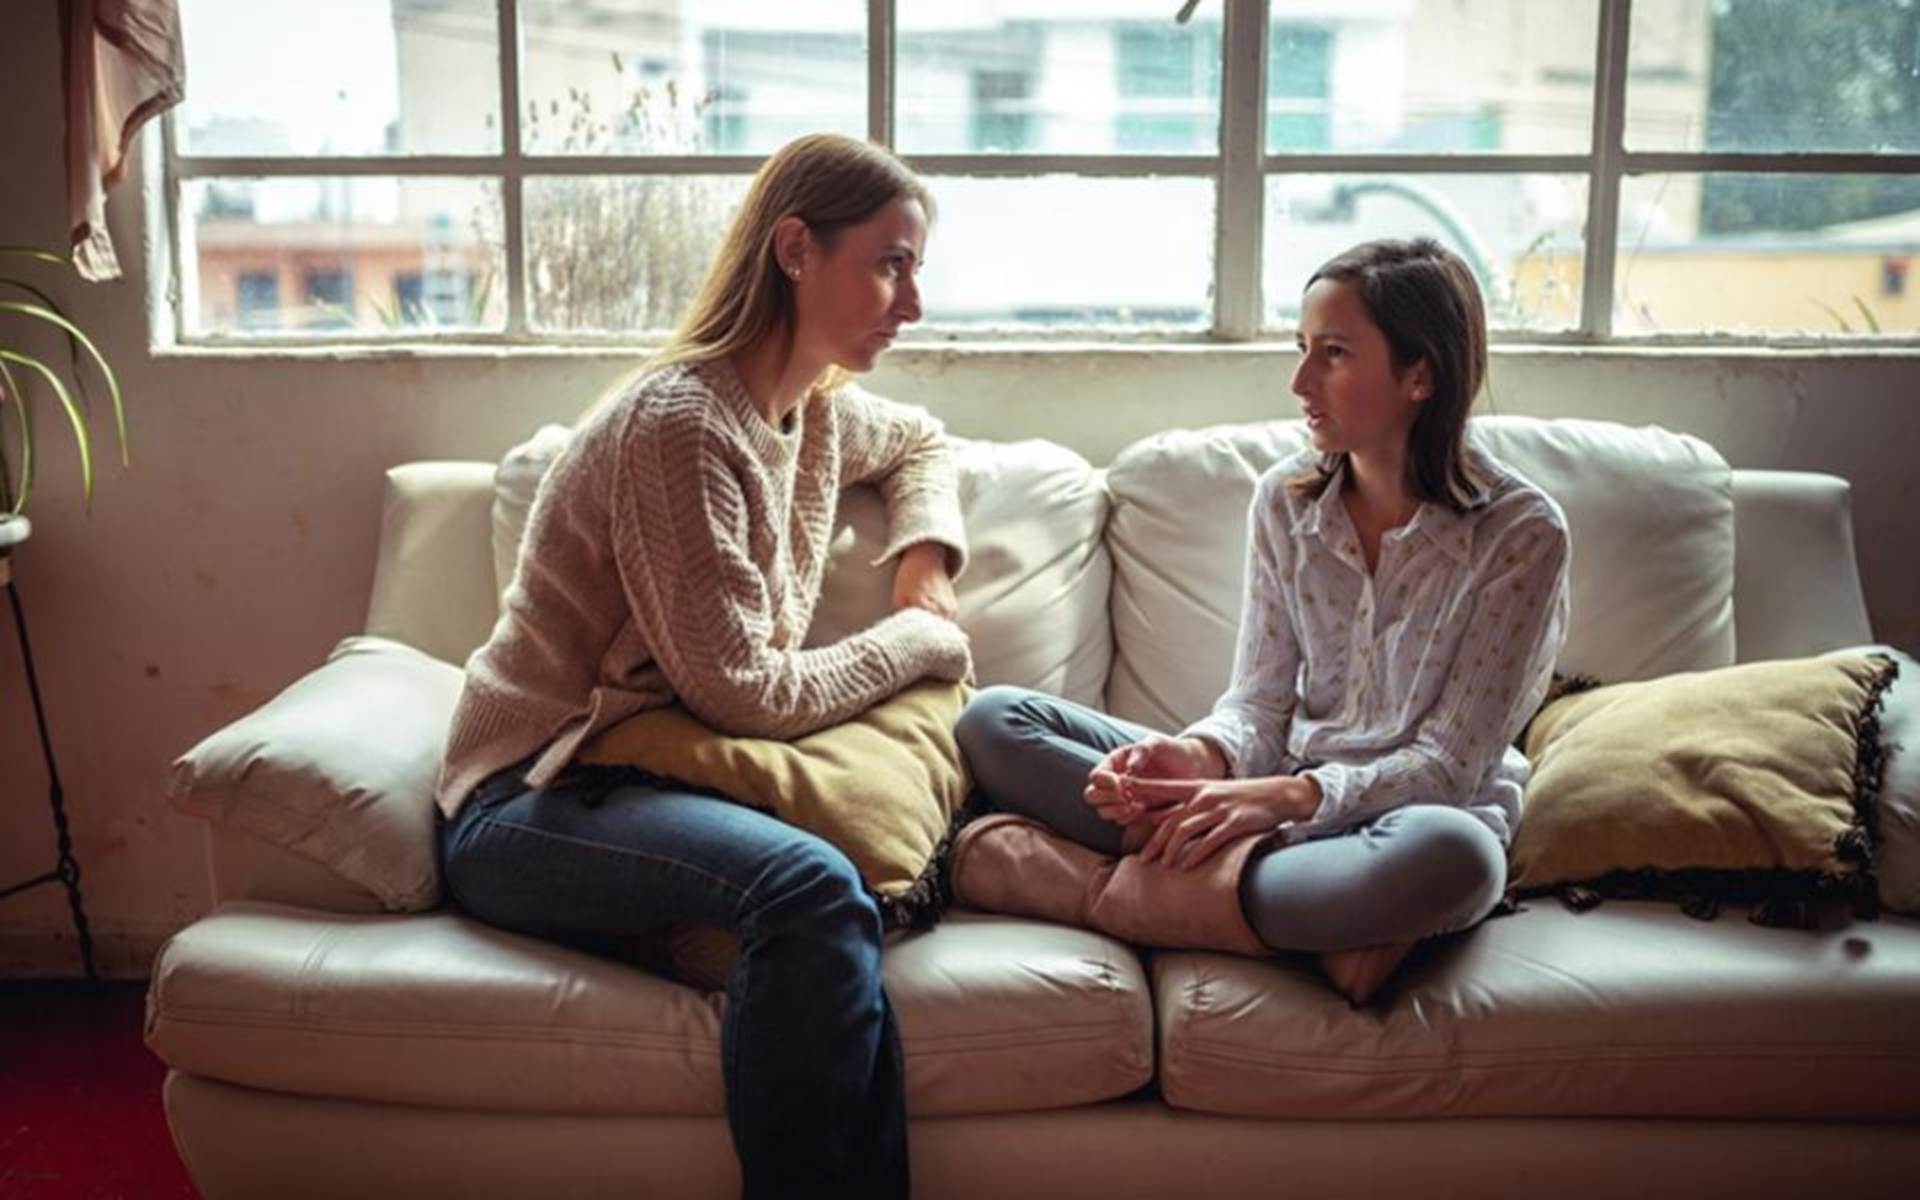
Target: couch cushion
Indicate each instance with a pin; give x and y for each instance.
(1033, 598)
(1629, 1010)
(995, 1014)
(1650, 514)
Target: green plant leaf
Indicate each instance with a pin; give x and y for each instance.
(1833, 312)
(477, 306)
(36, 252)
(10, 387)
(100, 360)
(1866, 314)
(74, 415)
(73, 343)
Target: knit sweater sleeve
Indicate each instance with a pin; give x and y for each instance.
(904, 452)
(681, 521)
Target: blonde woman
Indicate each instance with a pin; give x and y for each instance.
(674, 553)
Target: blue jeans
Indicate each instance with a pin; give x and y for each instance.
(1411, 873)
(809, 1050)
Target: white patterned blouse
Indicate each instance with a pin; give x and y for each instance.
(1402, 686)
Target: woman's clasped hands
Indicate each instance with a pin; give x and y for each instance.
(1174, 793)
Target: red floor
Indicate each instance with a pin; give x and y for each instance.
(80, 1115)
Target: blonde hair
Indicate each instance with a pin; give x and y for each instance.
(828, 181)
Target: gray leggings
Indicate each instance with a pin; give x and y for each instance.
(1414, 872)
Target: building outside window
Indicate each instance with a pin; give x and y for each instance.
(258, 294)
(1659, 169)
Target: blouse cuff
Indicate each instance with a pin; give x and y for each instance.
(1226, 739)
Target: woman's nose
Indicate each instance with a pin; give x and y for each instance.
(906, 301)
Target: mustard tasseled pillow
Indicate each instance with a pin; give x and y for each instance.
(883, 787)
(1749, 783)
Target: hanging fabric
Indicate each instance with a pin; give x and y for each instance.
(122, 64)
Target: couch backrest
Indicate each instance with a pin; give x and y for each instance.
(1650, 514)
(1146, 613)
(433, 578)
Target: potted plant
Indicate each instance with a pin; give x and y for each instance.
(22, 305)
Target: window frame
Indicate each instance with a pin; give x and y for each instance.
(1239, 172)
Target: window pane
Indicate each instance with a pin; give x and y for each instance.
(662, 77)
(375, 255)
(622, 254)
(1521, 234)
(1768, 253)
(1064, 251)
(1117, 76)
(353, 77)
(1774, 75)
(1431, 76)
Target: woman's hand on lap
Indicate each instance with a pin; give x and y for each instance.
(1194, 818)
(1110, 790)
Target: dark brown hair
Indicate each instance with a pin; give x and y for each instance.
(1424, 299)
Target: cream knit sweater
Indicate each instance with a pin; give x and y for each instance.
(675, 552)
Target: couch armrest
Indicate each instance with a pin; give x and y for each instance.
(1796, 584)
(241, 866)
(433, 585)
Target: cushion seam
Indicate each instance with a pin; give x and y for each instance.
(218, 1018)
(1483, 1061)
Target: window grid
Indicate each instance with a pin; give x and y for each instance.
(1240, 172)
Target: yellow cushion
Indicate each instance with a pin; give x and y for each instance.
(883, 787)
(1744, 782)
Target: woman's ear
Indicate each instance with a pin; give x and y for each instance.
(1418, 384)
(791, 241)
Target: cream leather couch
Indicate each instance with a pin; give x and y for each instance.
(320, 1046)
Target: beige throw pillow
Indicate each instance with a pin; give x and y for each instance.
(339, 768)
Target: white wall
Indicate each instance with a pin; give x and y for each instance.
(239, 546)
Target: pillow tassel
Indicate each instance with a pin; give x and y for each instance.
(923, 904)
(1700, 906)
(1866, 900)
(1579, 898)
(1855, 845)
(1784, 912)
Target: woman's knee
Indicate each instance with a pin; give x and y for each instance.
(812, 887)
(1456, 863)
(987, 720)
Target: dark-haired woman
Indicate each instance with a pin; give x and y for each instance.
(1406, 596)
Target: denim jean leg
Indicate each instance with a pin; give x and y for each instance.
(815, 1075)
(810, 1052)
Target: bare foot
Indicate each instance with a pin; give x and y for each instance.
(1359, 973)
